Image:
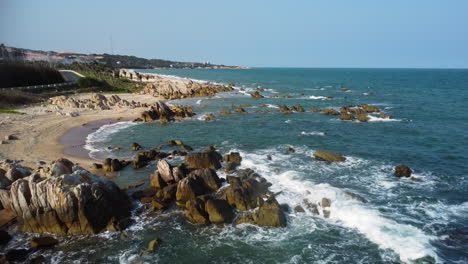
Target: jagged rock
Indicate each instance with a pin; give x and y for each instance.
(402, 171)
(74, 204)
(328, 156)
(230, 166)
(268, 157)
(300, 108)
(17, 172)
(329, 111)
(362, 116)
(136, 146)
(5, 198)
(219, 211)
(189, 188)
(168, 193)
(311, 207)
(256, 95)
(208, 177)
(270, 214)
(60, 167)
(179, 172)
(204, 160)
(353, 196)
(290, 150)
(370, 108)
(299, 209)
(112, 165)
(315, 109)
(240, 110)
(195, 211)
(153, 245)
(187, 148)
(43, 241)
(243, 194)
(147, 192)
(284, 109)
(210, 117)
(38, 260)
(347, 116)
(245, 219)
(233, 157)
(225, 112)
(157, 181)
(165, 170)
(325, 202)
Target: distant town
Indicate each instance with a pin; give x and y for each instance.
(115, 61)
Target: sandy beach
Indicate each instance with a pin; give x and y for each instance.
(45, 134)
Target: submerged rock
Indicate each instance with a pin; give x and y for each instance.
(43, 241)
(256, 95)
(328, 156)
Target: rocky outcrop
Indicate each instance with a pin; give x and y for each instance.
(270, 214)
(76, 203)
(171, 89)
(96, 102)
(209, 160)
(402, 171)
(162, 112)
(328, 156)
(219, 211)
(256, 95)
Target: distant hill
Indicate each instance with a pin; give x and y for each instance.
(115, 61)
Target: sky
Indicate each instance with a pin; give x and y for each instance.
(256, 33)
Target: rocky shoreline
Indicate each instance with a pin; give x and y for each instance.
(63, 198)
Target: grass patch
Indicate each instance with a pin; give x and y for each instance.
(10, 111)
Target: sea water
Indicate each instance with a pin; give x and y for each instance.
(422, 220)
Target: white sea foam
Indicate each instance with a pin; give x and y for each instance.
(272, 106)
(288, 121)
(199, 101)
(317, 97)
(379, 119)
(104, 133)
(406, 240)
(312, 133)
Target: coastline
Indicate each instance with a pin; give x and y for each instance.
(45, 135)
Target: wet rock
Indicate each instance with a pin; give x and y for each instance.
(38, 260)
(209, 178)
(168, 193)
(189, 188)
(353, 196)
(179, 172)
(270, 214)
(346, 116)
(210, 117)
(243, 194)
(315, 109)
(240, 110)
(225, 112)
(112, 165)
(328, 156)
(219, 211)
(16, 255)
(325, 202)
(312, 207)
(256, 95)
(157, 181)
(370, 108)
(204, 160)
(290, 150)
(268, 157)
(136, 146)
(402, 171)
(299, 209)
(233, 157)
(187, 148)
(230, 166)
(195, 211)
(244, 219)
(83, 203)
(300, 109)
(329, 111)
(147, 192)
(153, 245)
(326, 213)
(43, 241)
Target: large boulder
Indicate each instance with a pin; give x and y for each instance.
(189, 188)
(328, 156)
(195, 211)
(209, 178)
(157, 181)
(219, 211)
(210, 160)
(243, 194)
(165, 170)
(233, 157)
(402, 171)
(61, 167)
(4, 181)
(270, 214)
(72, 204)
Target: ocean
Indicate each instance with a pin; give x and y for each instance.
(420, 220)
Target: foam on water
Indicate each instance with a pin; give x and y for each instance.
(407, 241)
(379, 119)
(103, 134)
(313, 97)
(313, 133)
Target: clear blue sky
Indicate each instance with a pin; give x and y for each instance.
(295, 33)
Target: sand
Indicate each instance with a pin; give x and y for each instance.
(46, 135)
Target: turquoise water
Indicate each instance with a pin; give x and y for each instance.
(405, 220)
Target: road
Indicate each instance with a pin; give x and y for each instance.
(70, 76)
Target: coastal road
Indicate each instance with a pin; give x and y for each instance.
(70, 76)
